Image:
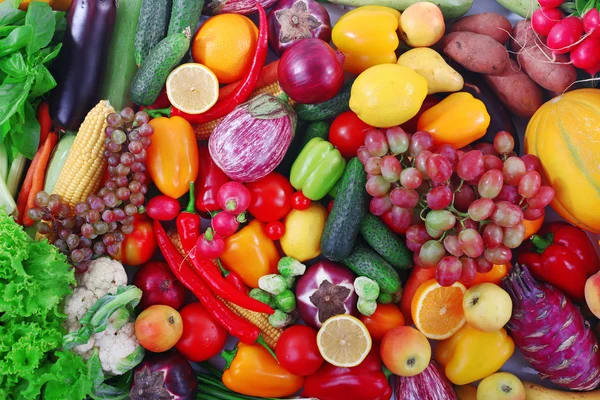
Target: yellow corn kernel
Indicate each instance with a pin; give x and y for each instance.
(84, 167)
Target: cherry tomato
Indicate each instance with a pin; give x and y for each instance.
(297, 350)
(275, 230)
(270, 197)
(163, 208)
(202, 337)
(347, 133)
(329, 206)
(139, 246)
(387, 219)
(299, 201)
(385, 318)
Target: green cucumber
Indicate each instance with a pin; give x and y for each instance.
(349, 207)
(523, 8)
(185, 13)
(327, 109)
(151, 27)
(316, 129)
(151, 77)
(57, 160)
(389, 246)
(121, 65)
(364, 261)
(450, 8)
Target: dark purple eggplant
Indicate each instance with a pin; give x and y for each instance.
(82, 61)
(164, 376)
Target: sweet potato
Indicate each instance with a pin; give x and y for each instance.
(476, 52)
(552, 72)
(488, 23)
(521, 95)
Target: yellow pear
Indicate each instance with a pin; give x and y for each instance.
(430, 65)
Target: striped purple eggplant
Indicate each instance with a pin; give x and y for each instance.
(244, 7)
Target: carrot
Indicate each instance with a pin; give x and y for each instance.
(43, 117)
(416, 278)
(25, 189)
(267, 76)
(39, 172)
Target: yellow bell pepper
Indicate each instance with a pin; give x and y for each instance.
(458, 120)
(250, 253)
(367, 36)
(470, 355)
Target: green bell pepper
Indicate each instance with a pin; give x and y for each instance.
(317, 169)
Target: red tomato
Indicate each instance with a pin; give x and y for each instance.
(347, 133)
(275, 230)
(202, 337)
(139, 246)
(297, 350)
(411, 125)
(270, 197)
(299, 201)
(385, 318)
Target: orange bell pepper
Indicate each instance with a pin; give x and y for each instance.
(494, 276)
(252, 370)
(250, 253)
(533, 226)
(173, 156)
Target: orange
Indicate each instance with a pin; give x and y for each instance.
(494, 275)
(437, 310)
(385, 318)
(532, 227)
(226, 44)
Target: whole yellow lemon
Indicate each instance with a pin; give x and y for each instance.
(387, 95)
(303, 231)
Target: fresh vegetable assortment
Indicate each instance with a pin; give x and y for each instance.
(358, 219)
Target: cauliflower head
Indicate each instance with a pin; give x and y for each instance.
(103, 276)
(119, 350)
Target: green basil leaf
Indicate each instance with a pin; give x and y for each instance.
(17, 39)
(12, 96)
(28, 140)
(10, 4)
(50, 53)
(4, 129)
(40, 18)
(10, 16)
(6, 30)
(61, 26)
(14, 65)
(44, 82)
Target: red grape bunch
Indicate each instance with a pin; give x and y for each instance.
(462, 210)
(98, 226)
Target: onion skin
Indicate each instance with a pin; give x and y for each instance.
(251, 141)
(294, 20)
(244, 7)
(310, 72)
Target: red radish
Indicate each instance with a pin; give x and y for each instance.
(551, 3)
(591, 23)
(586, 55)
(543, 19)
(225, 224)
(564, 35)
(210, 245)
(233, 197)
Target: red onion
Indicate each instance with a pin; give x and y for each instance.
(164, 374)
(251, 141)
(310, 71)
(292, 20)
(325, 290)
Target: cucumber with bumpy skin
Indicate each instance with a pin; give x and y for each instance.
(151, 77)
(151, 27)
(385, 242)
(364, 261)
(185, 13)
(327, 109)
(450, 8)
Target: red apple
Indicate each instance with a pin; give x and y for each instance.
(159, 285)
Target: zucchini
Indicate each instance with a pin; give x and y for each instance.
(450, 8)
(364, 261)
(316, 129)
(523, 8)
(57, 160)
(185, 13)
(151, 27)
(121, 65)
(151, 77)
(327, 109)
(385, 242)
(348, 210)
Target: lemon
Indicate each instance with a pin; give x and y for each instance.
(387, 95)
(192, 88)
(344, 341)
(303, 231)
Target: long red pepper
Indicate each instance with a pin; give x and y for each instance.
(189, 223)
(243, 91)
(234, 324)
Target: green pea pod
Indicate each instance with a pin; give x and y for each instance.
(317, 169)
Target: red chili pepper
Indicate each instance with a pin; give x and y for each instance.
(234, 324)
(209, 181)
(213, 278)
(236, 281)
(563, 257)
(243, 91)
(299, 201)
(275, 230)
(43, 117)
(188, 224)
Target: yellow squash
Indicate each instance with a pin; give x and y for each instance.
(565, 135)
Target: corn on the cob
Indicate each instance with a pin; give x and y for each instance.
(269, 333)
(84, 167)
(203, 131)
